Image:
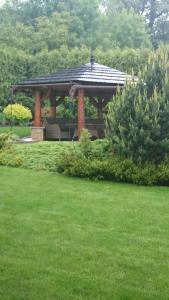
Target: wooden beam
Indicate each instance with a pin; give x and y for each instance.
(81, 111)
(37, 117)
(41, 86)
(93, 88)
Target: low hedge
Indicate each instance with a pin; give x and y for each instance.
(113, 168)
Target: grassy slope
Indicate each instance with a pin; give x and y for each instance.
(19, 131)
(64, 238)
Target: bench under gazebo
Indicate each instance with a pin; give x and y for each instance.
(92, 81)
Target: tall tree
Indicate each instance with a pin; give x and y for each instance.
(156, 13)
(128, 29)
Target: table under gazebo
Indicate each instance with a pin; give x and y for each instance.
(94, 81)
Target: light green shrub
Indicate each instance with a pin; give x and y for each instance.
(4, 140)
(18, 113)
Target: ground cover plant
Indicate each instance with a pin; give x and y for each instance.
(43, 155)
(93, 161)
(66, 238)
(36, 156)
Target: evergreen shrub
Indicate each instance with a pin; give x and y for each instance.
(137, 123)
(94, 160)
(113, 168)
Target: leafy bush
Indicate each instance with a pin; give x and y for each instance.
(18, 113)
(74, 163)
(85, 143)
(10, 158)
(8, 155)
(100, 149)
(137, 123)
(4, 141)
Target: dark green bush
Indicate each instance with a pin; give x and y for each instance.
(100, 148)
(113, 168)
(137, 122)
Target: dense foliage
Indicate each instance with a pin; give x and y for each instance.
(16, 65)
(18, 113)
(156, 13)
(137, 122)
(30, 45)
(4, 139)
(32, 25)
(98, 163)
(71, 159)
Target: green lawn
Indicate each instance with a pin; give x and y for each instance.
(65, 238)
(19, 131)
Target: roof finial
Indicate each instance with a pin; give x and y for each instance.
(92, 58)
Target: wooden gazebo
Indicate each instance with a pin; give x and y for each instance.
(97, 82)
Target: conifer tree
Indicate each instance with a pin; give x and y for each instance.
(137, 123)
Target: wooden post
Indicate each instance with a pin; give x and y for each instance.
(53, 105)
(37, 118)
(81, 112)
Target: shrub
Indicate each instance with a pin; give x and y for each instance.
(137, 123)
(113, 168)
(85, 143)
(10, 158)
(18, 113)
(4, 140)
(100, 148)
(8, 155)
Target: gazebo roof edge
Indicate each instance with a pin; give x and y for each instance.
(95, 74)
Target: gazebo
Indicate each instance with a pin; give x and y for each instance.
(94, 81)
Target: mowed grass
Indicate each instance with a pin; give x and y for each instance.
(65, 238)
(19, 131)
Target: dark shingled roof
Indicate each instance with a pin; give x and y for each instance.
(84, 74)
